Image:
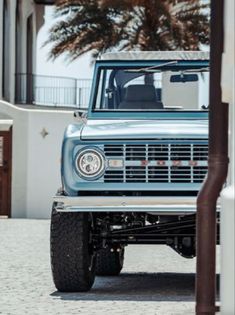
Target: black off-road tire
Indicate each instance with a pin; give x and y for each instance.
(109, 263)
(72, 261)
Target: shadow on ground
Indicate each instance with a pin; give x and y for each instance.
(138, 287)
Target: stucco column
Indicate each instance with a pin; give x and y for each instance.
(12, 51)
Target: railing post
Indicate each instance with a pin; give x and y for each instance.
(29, 88)
(17, 78)
(75, 93)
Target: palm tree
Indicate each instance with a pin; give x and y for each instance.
(104, 25)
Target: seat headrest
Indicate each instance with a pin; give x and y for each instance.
(140, 92)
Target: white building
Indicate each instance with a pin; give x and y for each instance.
(30, 138)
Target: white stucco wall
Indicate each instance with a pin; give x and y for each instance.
(228, 194)
(36, 160)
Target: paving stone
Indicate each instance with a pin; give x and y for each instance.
(154, 281)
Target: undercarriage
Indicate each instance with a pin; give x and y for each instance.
(115, 230)
(89, 233)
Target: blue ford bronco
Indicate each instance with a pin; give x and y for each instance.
(132, 164)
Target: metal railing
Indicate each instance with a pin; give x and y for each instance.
(52, 91)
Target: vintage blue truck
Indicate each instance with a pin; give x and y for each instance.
(132, 165)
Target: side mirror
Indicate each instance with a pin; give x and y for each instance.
(80, 114)
(183, 78)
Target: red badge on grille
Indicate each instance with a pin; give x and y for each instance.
(161, 163)
(176, 163)
(192, 163)
(144, 162)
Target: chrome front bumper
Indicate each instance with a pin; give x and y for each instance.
(158, 205)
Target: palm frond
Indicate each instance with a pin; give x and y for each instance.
(102, 25)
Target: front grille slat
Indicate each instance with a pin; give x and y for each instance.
(135, 173)
(113, 150)
(192, 166)
(158, 174)
(113, 176)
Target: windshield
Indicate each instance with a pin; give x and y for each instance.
(152, 88)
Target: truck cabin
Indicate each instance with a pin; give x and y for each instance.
(151, 81)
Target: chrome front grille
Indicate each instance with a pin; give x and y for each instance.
(158, 163)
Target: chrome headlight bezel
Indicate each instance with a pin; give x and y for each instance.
(101, 167)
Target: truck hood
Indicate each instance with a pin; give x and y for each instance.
(144, 129)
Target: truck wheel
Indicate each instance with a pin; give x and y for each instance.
(109, 263)
(72, 259)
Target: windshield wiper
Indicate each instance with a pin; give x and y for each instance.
(197, 70)
(152, 69)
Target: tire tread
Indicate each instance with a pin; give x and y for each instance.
(69, 252)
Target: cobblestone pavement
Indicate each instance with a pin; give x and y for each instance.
(154, 281)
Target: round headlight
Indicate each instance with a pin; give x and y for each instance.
(90, 163)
